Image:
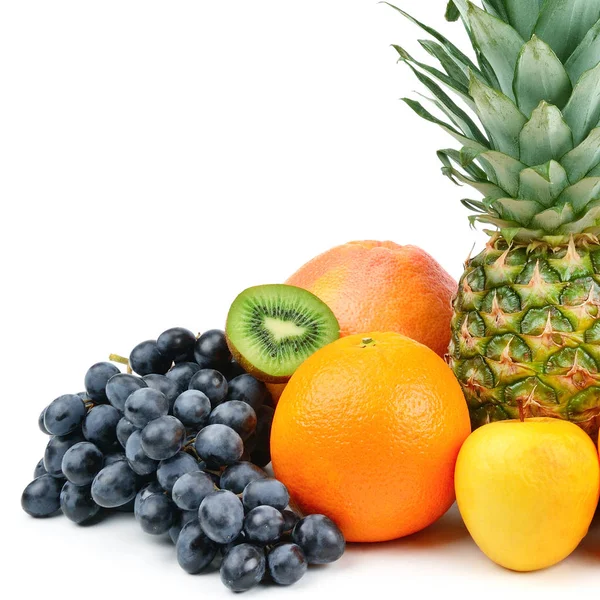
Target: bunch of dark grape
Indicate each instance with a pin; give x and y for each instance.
(182, 445)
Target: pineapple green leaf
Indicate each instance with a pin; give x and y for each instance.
(452, 13)
(458, 116)
(450, 47)
(454, 69)
(452, 84)
(582, 193)
(586, 55)
(503, 170)
(583, 109)
(521, 14)
(563, 24)
(499, 115)
(552, 218)
(545, 136)
(474, 205)
(591, 220)
(499, 43)
(482, 185)
(520, 211)
(544, 183)
(540, 76)
(459, 158)
(418, 108)
(595, 172)
(584, 158)
(496, 8)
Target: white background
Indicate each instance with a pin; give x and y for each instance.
(157, 158)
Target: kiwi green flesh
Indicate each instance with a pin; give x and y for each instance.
(273, 329)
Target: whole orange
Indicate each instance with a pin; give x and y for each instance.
(381, 286)
(367, 432)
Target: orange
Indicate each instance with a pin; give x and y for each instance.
(367, 432)
(381, 286)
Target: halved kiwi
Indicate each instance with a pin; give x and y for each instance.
(272, 329)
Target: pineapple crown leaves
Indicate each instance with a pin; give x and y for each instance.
(525, 111)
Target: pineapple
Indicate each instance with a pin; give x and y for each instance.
(526, 112)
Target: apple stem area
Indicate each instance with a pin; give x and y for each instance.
(521, 410)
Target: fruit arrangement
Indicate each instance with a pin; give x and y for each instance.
(182, 442)
(346, 360)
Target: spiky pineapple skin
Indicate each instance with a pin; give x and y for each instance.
(526, 331)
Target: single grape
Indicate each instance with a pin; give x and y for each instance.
(176, 343)
(286, 564)
(182, 518)
(221, 516)
(233, 370)
(136, 457)
(100, 427)
(121, 386)
(145, 492)
(39, 469)
(124, 429)
(145, 405)
(41, 498)
(55, 450)
(237, 415)
(41, 422)
(82, 462)
(182, 373)
(192, 408)
(171, 469)
(190, 489)
(114, 485)
(247, 388)
(320, 539)
(162, 438)
(96, 378)
(162, 383)
(156, 514)
(146, 358)
(77, 504)
(269, 492)
(212, 383)
(261, 451)
(290, 519)
(112, 458)
(243, 567)
(236, 477)
(219, 445)
(64, 415)
(195, 550)
(212, 347)
(264, 525)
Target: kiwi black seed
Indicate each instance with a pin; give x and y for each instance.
(272, 329)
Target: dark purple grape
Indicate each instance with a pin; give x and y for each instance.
(144, 406)
(237, 476)
(113, 457)
(41, 422)
(192, 408)
(233, 370)
(168, 387)
(219, 445)
(211, 347)
(96, 378)
(55, 450)
(64, 414)
(195, 550)
(163, 438)
(136, 457)
(156, 514)
(264, 525)
(41, 498)
(243, 567)
(290, 519)
(176, 344)
(114, 485)
(39, 469)
(266, 492)
(145, 492)
(77, 504)
(212, 383)
(121, 386)
(180, 521)
(320, 539)
(182, 373)
(237, 415)
(190, 489)
(82, 462)
(124, 429)
(171, 469)
(100, 427)
(286, 564)
(221, 516)
(146, 358)
(247, 388)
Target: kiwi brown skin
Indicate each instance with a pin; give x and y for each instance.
(251, 369)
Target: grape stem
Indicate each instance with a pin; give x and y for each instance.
(121, 360)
